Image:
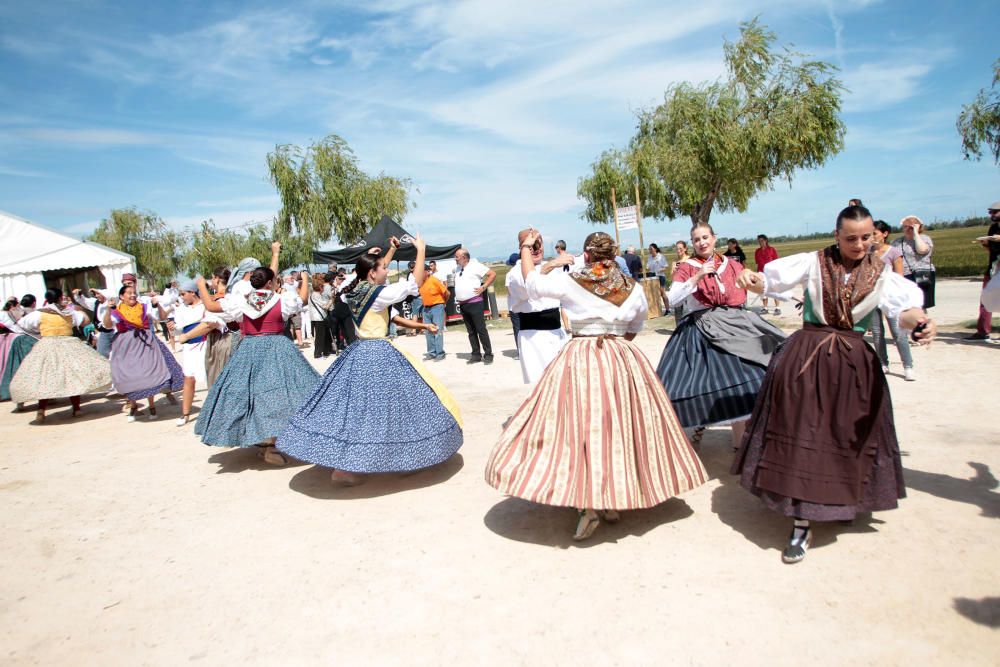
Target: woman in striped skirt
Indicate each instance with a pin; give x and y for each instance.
(714, 364)
(598, 432)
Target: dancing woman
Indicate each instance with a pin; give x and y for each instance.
(141, 365)
(713, 365)
(821, 444)
(349, 423)
(17, 344)
(598, 431)
(60, 364)
(266, 378)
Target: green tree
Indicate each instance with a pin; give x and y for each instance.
(325, 194)
(145, 236)
(979, 122)
(717, 145)
(211, 247)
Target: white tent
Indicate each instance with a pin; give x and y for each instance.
(29, 250)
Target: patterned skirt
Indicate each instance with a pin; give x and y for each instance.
(598, 431)
(821, 443)
(19, 348)
(261, 386)
(59, 366)
(706, 384)
(376, 410)
(142, 366)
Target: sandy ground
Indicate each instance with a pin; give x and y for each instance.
(135, 544)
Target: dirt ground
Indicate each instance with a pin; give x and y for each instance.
(135, 544)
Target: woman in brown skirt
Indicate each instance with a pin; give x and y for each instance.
(598, 432)
(821, 444)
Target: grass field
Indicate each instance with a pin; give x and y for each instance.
(955, 253)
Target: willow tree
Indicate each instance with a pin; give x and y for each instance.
(145, 236)
(325, 195)
(718, 144)
(211, 247)
(979, 122)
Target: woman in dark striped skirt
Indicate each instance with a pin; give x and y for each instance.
(714, 364)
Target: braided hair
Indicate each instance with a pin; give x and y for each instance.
(601, 247)
(362, 268)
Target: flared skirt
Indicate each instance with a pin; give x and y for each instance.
(259, 388)
(59, 366)
(597, 431)
(19, 349)
(376, 410)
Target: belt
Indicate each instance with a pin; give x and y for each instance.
(103, 330)
(543, 320)
(600, 337)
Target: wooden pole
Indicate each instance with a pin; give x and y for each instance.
(614, 208)
(638, 219)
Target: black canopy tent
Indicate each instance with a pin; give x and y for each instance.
(379, 237)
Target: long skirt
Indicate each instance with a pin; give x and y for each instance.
(19, 348)
(261, 386)
(142, 366)
(218, 349)
(376, 410)
(59, 366)
(598, 431)
(821, 443)
(706, 383)
(6, 340)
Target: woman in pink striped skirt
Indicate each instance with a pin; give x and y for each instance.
(598, 432)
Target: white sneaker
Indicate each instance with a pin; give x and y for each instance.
(909, 375)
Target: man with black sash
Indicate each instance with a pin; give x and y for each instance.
(541, 335)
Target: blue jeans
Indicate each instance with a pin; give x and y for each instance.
(899, 335)
(435, 342)
(416, 308)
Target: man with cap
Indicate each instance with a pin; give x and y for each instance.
(541, 334)
(187, 313)
(992, 244)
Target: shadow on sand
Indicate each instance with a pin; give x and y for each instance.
(241, 459)
(315, 481)
(985, 611)
(525, 521)
(979, 491)
(743, 512)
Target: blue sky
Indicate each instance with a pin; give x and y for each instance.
(493, 109)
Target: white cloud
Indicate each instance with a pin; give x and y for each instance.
(875, 86)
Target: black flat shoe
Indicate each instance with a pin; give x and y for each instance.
(796, 549)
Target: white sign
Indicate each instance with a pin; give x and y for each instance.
(627, 218)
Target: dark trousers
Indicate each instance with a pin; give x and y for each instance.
(515, 320)
(322, 343)
(341, 330)
(473, 314)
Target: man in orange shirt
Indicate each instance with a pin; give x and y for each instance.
(435, 295)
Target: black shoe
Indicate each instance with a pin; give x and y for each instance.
(474, 360)
(978, 336)
(488, 359)
(796, 549)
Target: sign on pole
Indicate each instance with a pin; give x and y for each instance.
(628, 218)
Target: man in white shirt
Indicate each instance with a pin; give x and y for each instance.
(97, 305)
(472, 278)
(541, 335)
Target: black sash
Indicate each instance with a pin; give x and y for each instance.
(544, 320)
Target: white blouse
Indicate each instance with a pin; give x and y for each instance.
(394, 293)
(892, 294)
(235, 306)
(588, 314)
(10, 323)
(518, 300)
(32, 321)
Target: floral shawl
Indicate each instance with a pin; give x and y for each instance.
(840, 297)
(361, 298)
(605, 280)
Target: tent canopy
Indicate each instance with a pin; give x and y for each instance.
(29, 249)
(378, 237)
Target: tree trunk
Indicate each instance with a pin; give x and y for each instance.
(703, 210)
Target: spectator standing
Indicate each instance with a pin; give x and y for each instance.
(893, 257)
(985, 322)
(472, 278)
(761, 256)
(319, 305)
(633, 263)
(434, 295)
(917, 249)
(515, 318)
(657, 265)
(341, 324)
(293, 327)
(734, 251)
(416, 302)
